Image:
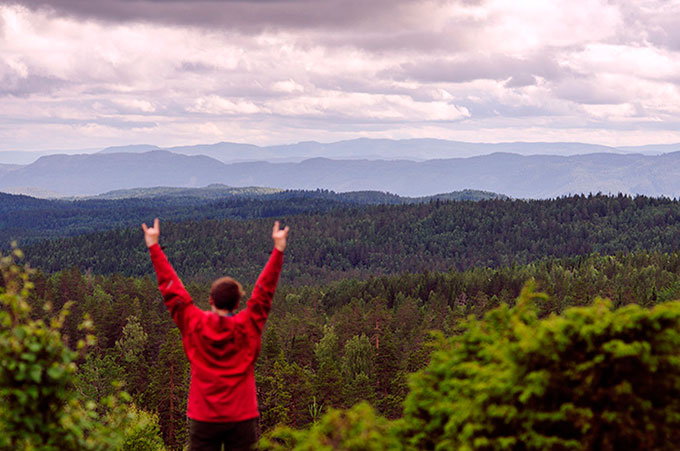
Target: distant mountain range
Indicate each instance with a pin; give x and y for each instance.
(536, 176)
(362, 148)
(386, 149)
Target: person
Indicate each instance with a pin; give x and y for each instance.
(222, 347)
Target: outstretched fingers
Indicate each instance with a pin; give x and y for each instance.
(151, 234)
(156, 227)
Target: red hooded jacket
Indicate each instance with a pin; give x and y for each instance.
(222, 350)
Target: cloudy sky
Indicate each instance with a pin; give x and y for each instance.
(87, 74)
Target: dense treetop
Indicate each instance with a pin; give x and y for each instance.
(27, 219)
(592, 378)
(359, 242)
(332, 345)
(361, 288)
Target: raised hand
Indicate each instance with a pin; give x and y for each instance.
(151, 234)
(279, 236)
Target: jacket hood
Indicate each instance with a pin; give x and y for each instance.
(226, 342)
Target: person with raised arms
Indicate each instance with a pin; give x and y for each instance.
(222, 346)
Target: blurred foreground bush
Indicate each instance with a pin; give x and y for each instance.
(358, 428)
(591, 378)
(39, 406)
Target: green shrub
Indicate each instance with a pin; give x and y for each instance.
(355, 429)
(142, 432)
(39, 405)
(592, 378)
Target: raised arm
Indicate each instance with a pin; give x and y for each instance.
(260, 303)
(176, 298)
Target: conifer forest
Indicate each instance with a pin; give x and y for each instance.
(433, 324)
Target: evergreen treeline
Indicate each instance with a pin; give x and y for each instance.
(360, 290)
(353, 242)
(27, 219)
(324, 346)
(594, 378)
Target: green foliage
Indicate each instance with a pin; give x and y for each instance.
(29, 219)
(286, 395)
(169, 388)
(355, 429)
(40, 407)
(328, 380)
(144, 433)
(130, 349)
(593, 377)
(303, 353)
(358, 358)
(322, 289)
(358, 370)
(133, 342)
(350, 242)
(98, 377)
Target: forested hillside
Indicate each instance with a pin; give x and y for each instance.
(27, 219)
(361, 289)
(331, 345)
(361, 242)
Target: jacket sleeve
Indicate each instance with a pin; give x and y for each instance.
(176, 298)
(260, 303)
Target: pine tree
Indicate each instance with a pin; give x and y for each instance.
(131, 350)
(328, 377)
(168, 389)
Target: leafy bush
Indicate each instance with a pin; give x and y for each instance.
(39, 406)
(142, 433)
(593, 378)
(356, 429)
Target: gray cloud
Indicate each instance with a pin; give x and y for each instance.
(491, 108)
(667, 33)
(25, 86)
(521, 80)
(239, 15)
(15, 84)
(587, 90)
(122, 124)
(351, 83)
(496, 67)
(657, 24)
(391, 39)
(269, 71)
(198, 67)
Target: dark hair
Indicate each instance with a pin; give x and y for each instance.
(226, 293)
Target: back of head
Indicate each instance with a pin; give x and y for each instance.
(226, 293)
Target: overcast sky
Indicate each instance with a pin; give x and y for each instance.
(87, 74)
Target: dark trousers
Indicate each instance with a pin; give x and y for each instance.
(235, 436)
